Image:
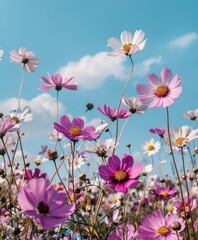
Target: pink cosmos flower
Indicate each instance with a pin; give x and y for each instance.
(191, 114)
(47, 206)
(29, 62)
(37, 174)
(1, 54)
(164, 193)
(124, 232)
(134, 105)
(57, 82)
(120, 175)
(158, 131)
(6, 125)
(128, 45)
(187, 207)
(113, 113)
(163, 89)
(75, 130)
(158, 226)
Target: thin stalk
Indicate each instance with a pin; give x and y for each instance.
(175, 165)
(21, 87)
(123, 92)
(23, 157)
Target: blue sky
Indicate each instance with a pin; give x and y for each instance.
(62, 33)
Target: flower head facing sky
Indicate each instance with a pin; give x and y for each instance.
(161, 227)
(56, 81)
(151, 147)
(113, 113)
(74, 130)
(120, 174)
(181, 136)
(27, 58)
(164, 193)
(163, 89)
(6, 125)
(37, 202)
(128, 45)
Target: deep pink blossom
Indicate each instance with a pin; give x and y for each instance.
(47, 206)
(163, 89)
(120, 174)
(158, 226)
(113, 113)
(164, 193)
(158, 131)
(27, 58)
(74, 130)
(56, 81)
(36, 174)
(187, 207)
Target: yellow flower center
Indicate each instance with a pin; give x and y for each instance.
(150, 147)
(180, 140)
(170, 209)
(127, 47)
(120, 175)
(163, 230)
(164, 193)
(37, 161)
(58, 187)
(162, 91)
(15, 119)
(113, 200)
(73, 197)
(76, 131)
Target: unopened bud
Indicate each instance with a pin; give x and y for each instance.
(52, 155)
(89, 106)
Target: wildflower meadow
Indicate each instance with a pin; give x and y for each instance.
(120, 197)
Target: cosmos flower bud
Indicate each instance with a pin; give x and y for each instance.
(89, 106)
(52, 155)
(176, 226)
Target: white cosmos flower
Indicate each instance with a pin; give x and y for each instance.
(191, 114)
(151, 147)
(20, 116)
(128, 45)
(147, 169)
(78, 162)
(102, 149)
(134, 105)
(181, 136)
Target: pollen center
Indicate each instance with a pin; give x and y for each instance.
(150, 147)
(163, 230)
(76, 131)
(180, 140)
(15, 119)
(164, 193)
(120, 175)
(43, 208)
(127, 47)
(162, 91)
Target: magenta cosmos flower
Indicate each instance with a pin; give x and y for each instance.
(158, 131)
(47, 206)
(75, 130)
(158, 226)
(27, 58)
(57, 82)
(120, 175)
(164, 193)
(113, 113)
(163, 89)
(187, 207)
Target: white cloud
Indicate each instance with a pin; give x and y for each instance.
(184, 40)
(43, 109)
(92, 71)
(141, 69)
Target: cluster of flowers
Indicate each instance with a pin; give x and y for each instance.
(122, 199)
